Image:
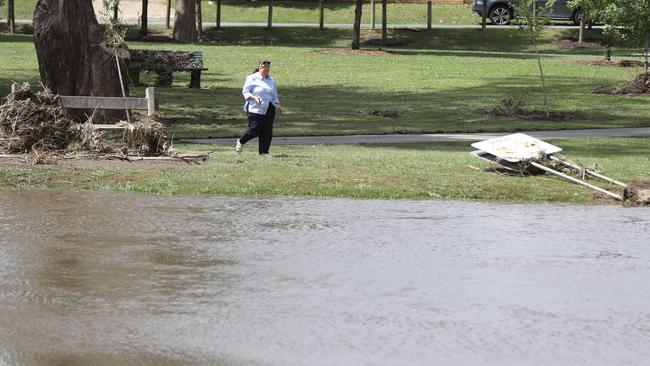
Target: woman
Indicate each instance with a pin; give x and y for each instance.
(261, 104)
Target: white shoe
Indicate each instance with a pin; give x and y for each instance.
(238, 147)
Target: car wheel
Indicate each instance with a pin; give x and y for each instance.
(577, 16)
(500, 15)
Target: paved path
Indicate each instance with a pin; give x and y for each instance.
(390, 139)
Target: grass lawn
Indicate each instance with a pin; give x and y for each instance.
(430, 81)
(308, 12)
(413, 171)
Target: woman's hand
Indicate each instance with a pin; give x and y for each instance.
(279, 109)
(256, 99)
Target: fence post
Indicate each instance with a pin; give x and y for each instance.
(218, 14)
(270, 21)
(169, 11)
(372, 14)
(151, 101)
(321, 25)
(429, 14)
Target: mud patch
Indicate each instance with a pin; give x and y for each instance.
(388, 113)
(638, 193)
(639, 86)
(346, 51)
(617, 63)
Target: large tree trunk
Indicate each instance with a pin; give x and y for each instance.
(73, 58)
(144, 18)
(185, 22)
(357, 24)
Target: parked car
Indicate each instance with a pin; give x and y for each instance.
(501, 12)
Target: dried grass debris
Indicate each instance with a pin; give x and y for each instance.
(31, 120)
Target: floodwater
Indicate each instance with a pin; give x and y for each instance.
(122, 279)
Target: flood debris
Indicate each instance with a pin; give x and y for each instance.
(640, 85)
(37, 127)
(520, 153)
(31, 120)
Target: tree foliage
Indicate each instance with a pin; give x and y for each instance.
(629, 20)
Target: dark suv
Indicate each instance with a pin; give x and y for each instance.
(502, 12)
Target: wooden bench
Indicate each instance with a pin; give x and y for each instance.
(195, 69)
(147, 103)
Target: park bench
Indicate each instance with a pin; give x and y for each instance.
(147, 103)
(164, 63)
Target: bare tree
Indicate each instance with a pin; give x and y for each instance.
(185, 22)
(73, 57)
(357, 24)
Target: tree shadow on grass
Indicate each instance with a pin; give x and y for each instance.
(333, 110)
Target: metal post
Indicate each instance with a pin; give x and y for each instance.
(321, 24)
(429, 14)
(372, 13)
(587, 171)
(270, 21)
(578, 181)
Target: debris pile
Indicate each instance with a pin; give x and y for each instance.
(163, 63)
(31, 121)
(640, 85)
(519, 152)
(37, 125)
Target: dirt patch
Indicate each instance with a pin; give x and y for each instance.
(346, 51)
(389, 113)
(617, 63)
(513, 109)
(638, 193)
(574, 44)
(639, 86)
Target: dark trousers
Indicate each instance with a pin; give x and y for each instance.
(260, 125)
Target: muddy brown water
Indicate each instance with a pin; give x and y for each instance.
(123, 279)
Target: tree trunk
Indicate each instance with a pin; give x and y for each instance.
(73, 58)
(143, 18)
(357, 24)
(116, 11)
(11, 16)
(185, 22)
(581, 33)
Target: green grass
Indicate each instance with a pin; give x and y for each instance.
(437, 81)
(397, 171)
(308, 12)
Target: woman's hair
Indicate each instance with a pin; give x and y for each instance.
(263, 62)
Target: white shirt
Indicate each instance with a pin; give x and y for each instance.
(263, 87)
